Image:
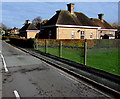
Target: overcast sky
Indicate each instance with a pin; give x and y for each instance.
(14, 14)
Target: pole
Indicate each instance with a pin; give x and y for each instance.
(46, 47)
(85, 52)
(60, 48)
(36, 44)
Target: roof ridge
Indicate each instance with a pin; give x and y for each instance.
(108, 23)
(103, 24)
(95, 18)
(76, 19)
(87, 18)
(58, 16)
(30, 24)
(77, 12)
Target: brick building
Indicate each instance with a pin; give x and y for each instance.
(106, 31)
(28, 30)
(14, 31)
(68, 24)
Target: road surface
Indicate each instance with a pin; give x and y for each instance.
(28, 76)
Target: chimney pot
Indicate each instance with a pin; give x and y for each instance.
(71, 8)
(27, 22)
(58, 11)
(100, 16)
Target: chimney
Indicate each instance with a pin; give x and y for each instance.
(57, 12)
(71, 8)
(100, 16)
(27, 22)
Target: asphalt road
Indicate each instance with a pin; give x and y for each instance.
(28, 76)
(0, 72)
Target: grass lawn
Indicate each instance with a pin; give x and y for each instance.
(42, 49)
(76, 55)
(67, 53)
(103, 59)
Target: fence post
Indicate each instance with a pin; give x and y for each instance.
(60, 48)
(46, 47)
(36, 44)
(85, 52)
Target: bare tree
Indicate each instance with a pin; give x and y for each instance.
(114, 24)
(36, 20)
(3, 26)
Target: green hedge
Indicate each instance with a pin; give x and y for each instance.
(27, 43)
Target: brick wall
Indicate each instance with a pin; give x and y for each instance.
(66, 33)
(31, 34)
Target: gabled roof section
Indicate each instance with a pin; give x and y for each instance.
(64, 17)
(103, 25)
(53, 20)
(29, 26)
(85, 21)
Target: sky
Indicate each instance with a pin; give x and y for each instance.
(14, 14)
(60, 0)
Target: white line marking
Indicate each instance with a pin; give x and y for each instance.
(16, 94)
(4, 63)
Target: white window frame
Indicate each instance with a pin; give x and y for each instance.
(73, 35)
(82, 35)
(91, 35)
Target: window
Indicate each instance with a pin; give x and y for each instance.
(91, 34)
(82, 34)
(50, 34)
(72, 36)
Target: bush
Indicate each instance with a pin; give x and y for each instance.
(27, 43)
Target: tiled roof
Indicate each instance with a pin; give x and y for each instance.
(64, 17)
(28, 27)
(103, 25)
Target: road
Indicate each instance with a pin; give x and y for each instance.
(28, 76)
(0, 72)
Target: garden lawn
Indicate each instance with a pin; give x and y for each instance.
(103, 59)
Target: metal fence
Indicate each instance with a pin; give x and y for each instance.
(68, 49)
(101, 54)
(104, 55)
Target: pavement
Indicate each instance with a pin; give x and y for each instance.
(28, 76)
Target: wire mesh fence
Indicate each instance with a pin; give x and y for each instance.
(101, 54)
(104, 55)
(73, 50)
(40, 45)
(53, 47)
